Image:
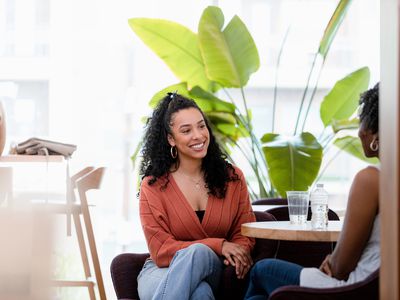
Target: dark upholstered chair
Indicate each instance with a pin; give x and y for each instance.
(126, 267)
(270, 201)
(307, 254)
(368, 289)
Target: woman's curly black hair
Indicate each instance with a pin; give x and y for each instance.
(157, 160)
(369, 109)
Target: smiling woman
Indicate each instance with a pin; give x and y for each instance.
(192, 204)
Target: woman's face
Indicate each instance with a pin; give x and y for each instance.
(189, 134)
(366, 137)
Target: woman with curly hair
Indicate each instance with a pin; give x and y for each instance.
(192, 205)
(357, 253)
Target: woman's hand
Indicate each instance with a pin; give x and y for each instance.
(325, 266)
(238, 257)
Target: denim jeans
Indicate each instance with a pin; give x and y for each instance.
(194, 273)
(270, 274)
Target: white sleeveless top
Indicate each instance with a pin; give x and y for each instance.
(370, 261)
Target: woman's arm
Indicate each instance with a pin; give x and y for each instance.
(362, 207)
(238, 253)
(244, 214)
(161, 242)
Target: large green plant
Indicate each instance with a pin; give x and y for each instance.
(218, 58)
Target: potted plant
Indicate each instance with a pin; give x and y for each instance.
(220, 58)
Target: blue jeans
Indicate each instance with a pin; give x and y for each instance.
(270, 274)
(193, 274)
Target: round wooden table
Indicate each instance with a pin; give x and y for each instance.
(284, 230)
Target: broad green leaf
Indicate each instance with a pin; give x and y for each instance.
(293, 162)
(206, 101)
(229, 130)
(209, 103)
(333, 26)
(225, 124)
(338, 125)
(352, 145)
(342, 101)
(221, 117)
(177, 46)
(230, 55)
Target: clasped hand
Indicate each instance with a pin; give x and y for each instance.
(237, 256)
(326, 266)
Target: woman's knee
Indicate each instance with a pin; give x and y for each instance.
(199, 250)
(263, 265)
(199, 247)
(149, 279)
(203, 291)
(277, 269)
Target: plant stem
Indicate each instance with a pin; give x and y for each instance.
(321, 135)
(312, 95)
(253, 139)
(262, 190)
(231, 99)
(254, 166)
(305, 92)
(276, 78)
(253, 195)
(328, 140)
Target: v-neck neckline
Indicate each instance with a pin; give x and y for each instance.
(189, 207)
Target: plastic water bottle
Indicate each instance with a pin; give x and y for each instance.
(319, 207)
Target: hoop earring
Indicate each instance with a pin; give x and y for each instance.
(374, 146)
(174, 152)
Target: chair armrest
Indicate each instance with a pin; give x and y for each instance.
(368, 289)
(264, 248)
(125, 269)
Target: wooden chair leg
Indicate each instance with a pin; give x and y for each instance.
(91, 181)
(82, 246)
(92, 294)
(93, 251)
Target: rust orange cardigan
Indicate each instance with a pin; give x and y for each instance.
(170, 224)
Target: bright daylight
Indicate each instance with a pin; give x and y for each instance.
(189, 149)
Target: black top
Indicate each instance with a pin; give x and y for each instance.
(200, 214)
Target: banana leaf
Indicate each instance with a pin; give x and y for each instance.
(206, 101)
(338, 125)
(293, 162)
(177, 46)
(333, 26)
(342, 101)
(353, 146)
(230, 55)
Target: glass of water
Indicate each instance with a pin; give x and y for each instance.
(298, 206)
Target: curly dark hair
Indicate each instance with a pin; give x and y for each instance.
(369, 109)
(157, 160)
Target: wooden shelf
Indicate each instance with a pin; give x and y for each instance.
(31, 158)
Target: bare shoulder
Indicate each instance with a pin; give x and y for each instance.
(365, 188)
(368, 176)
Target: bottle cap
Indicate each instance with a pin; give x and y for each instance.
(320, 185)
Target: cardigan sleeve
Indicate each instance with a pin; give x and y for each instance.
(161, 242)
(244, 214)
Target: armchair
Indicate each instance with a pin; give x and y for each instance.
(368, 289)
(126, 267)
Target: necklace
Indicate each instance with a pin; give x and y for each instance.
(196, 182)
